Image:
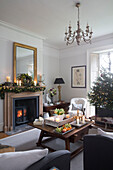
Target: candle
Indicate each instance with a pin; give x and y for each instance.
(8, 78)
(83, 119)
(67, 116)
(19, 83)
(51, 118)
(40, 79)
(58, 119)
(35, 83)
(77, 120)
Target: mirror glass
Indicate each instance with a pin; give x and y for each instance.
(25, 61)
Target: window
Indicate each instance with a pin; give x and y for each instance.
(106, 61)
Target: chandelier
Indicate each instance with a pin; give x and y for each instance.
(79, 34)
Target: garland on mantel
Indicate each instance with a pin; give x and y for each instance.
(19, 89)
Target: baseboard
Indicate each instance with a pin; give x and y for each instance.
(1, 126)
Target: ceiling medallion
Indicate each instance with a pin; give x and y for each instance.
(79, 34)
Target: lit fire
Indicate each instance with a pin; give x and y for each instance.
(19, 113)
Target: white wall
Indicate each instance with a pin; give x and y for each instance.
(47, 56)
(8, 35)
(50, 66)
(76, 56)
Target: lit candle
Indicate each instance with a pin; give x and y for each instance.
(77, 120)
(8, 78)
(51, 118)
(35, 83)
(57, 119)
(67, 116)
(83, 119)
(19, 82)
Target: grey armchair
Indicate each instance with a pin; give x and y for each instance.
(98, 152)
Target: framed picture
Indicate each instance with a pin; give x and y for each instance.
(78, 77)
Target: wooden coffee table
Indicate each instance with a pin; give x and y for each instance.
(73, 136)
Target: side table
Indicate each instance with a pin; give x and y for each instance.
(63, 105)
(6, 148)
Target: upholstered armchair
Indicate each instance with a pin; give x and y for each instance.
(98, 152)
(77, 104)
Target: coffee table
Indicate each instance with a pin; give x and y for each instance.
(72, 136)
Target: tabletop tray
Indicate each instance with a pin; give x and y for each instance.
(64, 132)
(78, 125)
(57, 124)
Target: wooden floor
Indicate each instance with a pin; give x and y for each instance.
(3, 135)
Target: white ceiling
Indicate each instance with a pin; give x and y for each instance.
(48, 18)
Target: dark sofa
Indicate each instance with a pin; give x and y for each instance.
(98, 152)
(59, 159)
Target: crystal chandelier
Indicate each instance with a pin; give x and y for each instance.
(79, 34)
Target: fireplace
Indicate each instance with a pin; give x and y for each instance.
(25, 110)
(21, 108)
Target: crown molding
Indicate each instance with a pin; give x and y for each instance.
(46, 44)
(21, 30)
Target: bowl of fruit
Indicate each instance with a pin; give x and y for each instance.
(64, 129)
(59, 111)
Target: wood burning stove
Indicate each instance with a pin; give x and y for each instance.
(21, 115)
(25, 110)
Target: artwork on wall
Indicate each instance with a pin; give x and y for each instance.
(78, 77)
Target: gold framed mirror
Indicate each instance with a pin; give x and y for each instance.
(24, 61)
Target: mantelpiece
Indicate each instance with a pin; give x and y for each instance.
(8, 106)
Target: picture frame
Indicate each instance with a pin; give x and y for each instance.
(78, 76)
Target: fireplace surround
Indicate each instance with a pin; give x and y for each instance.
(16, 113)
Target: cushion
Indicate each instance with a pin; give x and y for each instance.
(102, 132)
(21, 160)
(76, 106)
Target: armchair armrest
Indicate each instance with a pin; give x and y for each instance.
(59, 159)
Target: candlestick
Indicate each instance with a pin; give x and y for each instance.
(35, 83)
(8, 78)
(19, 82)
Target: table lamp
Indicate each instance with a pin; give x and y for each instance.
(59, 81)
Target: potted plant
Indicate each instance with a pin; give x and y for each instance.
(52, 92)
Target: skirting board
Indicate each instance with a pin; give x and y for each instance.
(1, 126)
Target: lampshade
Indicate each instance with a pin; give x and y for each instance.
(59, 81)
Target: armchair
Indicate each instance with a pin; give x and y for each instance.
(77, 104)
(98, 152)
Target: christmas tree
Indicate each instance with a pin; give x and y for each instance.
(101, 94)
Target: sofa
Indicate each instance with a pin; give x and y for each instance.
(26, 142)
(98, 152)
(59, 159)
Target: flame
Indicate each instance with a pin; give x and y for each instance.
(19, 113)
